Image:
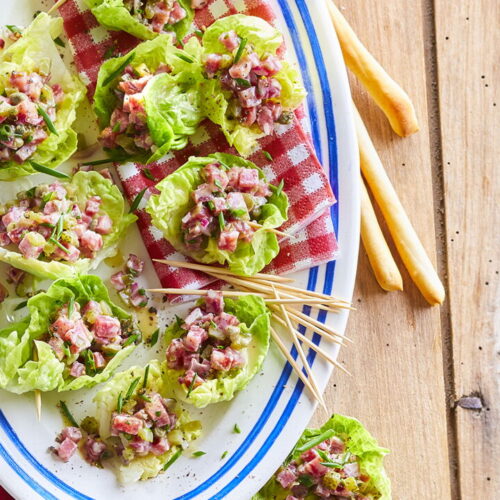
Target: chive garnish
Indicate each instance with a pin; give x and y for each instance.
(67, 414)
(175, 456)
(49, 171)
(236, 429)
(118, 70)
(109, 52)
(191, 385)
(154, 338)
(131, 388)
(211, 205)
(198, 33)
(148, 174)
(240, 50)
(31, 192)
(58, 244)
(119, 404)
(267, 154)
(222, 222)
(146, 375)
(185, 58)
(181, 43)
(130, 340)
(21, 305)
(179, 321)
(280, 187)
(224, 455)
(13, 28)
(59, 42)
(89, 362)
(316, 440)
(199, 453)
(242, 82)
(98, 162)
(145, 398)
(116, 127)
(136, 201)
(47, 120)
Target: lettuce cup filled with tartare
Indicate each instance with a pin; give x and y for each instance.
(217, 348)
(144, 429)
(220, 209)
(147, 101)
(144, 19)
(73, 337)
(63, 229)
(339, 460)
(38, 101)
(249, 88)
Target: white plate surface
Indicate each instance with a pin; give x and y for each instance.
(273, 410)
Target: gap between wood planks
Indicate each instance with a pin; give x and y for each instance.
(436, 157)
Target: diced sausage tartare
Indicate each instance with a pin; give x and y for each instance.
(157, 15)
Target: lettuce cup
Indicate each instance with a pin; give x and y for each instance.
(74, 337)
(249, 88)
(339, 460)
(38, 101)
(219, 209)
(144, 19)
(218, 348)
(147, 101)
(145, 430)
(63, 229)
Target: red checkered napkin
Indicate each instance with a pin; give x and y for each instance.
(294, 160)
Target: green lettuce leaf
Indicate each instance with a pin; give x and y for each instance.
(169, 207)
(113, 15)
(359, 442)
(36, 51)
(19, 372)
(265, 39)
(250, 310)
(172, 100)
(106, 399)
(85, 185)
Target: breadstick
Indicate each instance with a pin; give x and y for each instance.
(58, 4)
(385, 269)
(388, 95)
(407, 242)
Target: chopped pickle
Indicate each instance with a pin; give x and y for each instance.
(332, 479)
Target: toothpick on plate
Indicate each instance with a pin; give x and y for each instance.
(256, 225)
(189, 291)
(58, 4)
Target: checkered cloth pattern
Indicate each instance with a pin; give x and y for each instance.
(294, 159)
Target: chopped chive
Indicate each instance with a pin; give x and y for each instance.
(97, 162)
(13, 28)
(154, 338)
(240, 50)
(116, 127)
(137, 201)
(211, 205)
(185, 58)
(47, 120)
(218, 184)
(109, 52)
(131, 388)
(130, 340)
(332, 465)
(66, 413)
(31, 192)
(267, 154)
(49, 171)
(198, 33)
(306, 480)
(199, 453)
(236, 429)
(179, 321)
(181, 43)
(222, 222)
(280, 187)
(47, 224)
(191, 385)
(148, 174)
(21, 305)
(118, 70)
(58, 244)
(175, 456)
(224, 455)
(316, 440)
(71, 306)
(242, 82)
(145, 398)
(146, 375)
(89, 362)
(119, 404)
(59, 227)
(59, 42)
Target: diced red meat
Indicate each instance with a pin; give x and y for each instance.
(13, 215)
(79, 337)
(77, 369)
(249, 116)
(122, 422)
(106, 327)
(39, 135)
(322, 491)
(309, 455)
(226, 359)
(194, 338)
(130, 87)
(299, 491)
(337, 446)
(23, 153)
(58, 93)
(99, 360)
(351, 469)
(202, 193)
(70, 255)
(314, 468)
(265, 120)
(248, 179)
(2, 41)
(134, 264)
(177, 13)
(213, 63)
(73, 433)
(242, 68)
(28, 249)
(92, 205)
(117, 280)
(160, 447)
(137, 295)
(66, 449)
(61, 325)
(214, 303)
(157, 411)
(175, 354)
(91, 241)
(287, 476)
(57, 346)
(108, 137)
(225, 319)
(230, 40)
(140, 446)
(94, 449)
(228, 240)
(15, 275)
(4, 239)
(248, 98)
(160, 18)
(91, 307)
(27, 112)
(202, 369)
(191, 379)
(268, 66)
(198, 4)
(192, 317)
(104, 225)
(215, 177)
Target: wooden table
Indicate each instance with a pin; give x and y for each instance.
(413, 363)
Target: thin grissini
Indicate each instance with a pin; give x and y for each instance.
(58, 4)
(381, 260)
(409, 246)
(388, 95)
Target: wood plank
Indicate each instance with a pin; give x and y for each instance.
(469, 72)
(397, 389)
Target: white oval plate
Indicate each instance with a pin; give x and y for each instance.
(274, 408)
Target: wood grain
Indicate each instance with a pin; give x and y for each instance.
(398, 387)
(467, 39)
